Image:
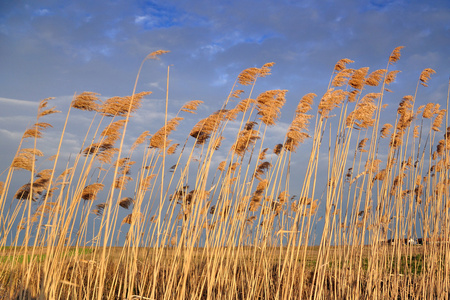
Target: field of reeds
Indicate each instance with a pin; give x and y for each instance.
(214, 215)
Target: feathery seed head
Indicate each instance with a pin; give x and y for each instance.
(341, 78)
(262, 154)
(158, 139)
(236, 94)
(362, 144)
(156, 54)
(121, 182)
(191, 106)
(262, 168)
(146, 182)
(426, 75)
(99, 209)
(362, 116)
(341, 64)
(249, 76)
(246, 139)
(222, 166)
(119, 106)
(277, 149)
(171, 150)
(44, 112)
(86, 101)
(385, 131)
(429, 110)
(395, 55)
(269, 104)
(205, 127)
(358, 79)
(90, 191)
(375, 77)
(390, 77)
(141, 139)
(126, 202)
(438, 120)
(330, 100)
(416, 131)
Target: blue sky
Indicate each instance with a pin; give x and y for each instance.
(55, 48)
(58, 48)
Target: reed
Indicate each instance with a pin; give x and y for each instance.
(221, 215)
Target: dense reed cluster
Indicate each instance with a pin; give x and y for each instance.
(220, 214)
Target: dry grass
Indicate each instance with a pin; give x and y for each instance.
(159, 219)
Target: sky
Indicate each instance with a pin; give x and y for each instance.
(59, 48)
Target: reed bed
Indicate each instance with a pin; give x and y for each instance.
(214, 216)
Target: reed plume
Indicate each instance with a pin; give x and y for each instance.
(172, 149)
(245, 139)
(375, 77)
(222, 166)
(405, 110)
(205, 127)
(277, 149)
(297, 131)
(385, 130)
(141, 139)
(342, 63)
(146, 182)
(425, 76)
(269, 104)
(358, 79)
(87, 101)
(342, 78)
(156, 54)
(126, 202)
(25, 159)
(159, 139)
(121, 182)
(36, 130)
(249, 76)
(191, 106)
(245, 104)
(380, 175)
(395, 55)
(362, 144)
(429, 110)
(390, 77)
(262, 154)
(43, 110)
(330, 100)
(236, 94)
(363, 115)
(90, 191)
(261, 169)
(99, 209)
(37, 188)
(119, 106)
(438, 120)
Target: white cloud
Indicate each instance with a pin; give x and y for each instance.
(13, 135)
(42, 12)
(17, 102)
(141, 19)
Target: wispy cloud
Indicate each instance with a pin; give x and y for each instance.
(17, 102)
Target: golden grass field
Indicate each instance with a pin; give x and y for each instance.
(222, 213)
